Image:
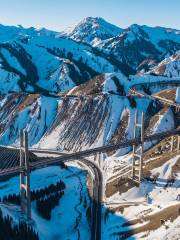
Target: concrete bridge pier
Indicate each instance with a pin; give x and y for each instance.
(138, 149)
(25, 191)
(175, 143)
(178, 143)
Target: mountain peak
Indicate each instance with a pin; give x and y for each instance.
(93, 20)
(93, 29)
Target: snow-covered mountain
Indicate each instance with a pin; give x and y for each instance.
(142, 46)
(93, 30)
(46, 61)
(12, 33)
(35, 64)
(71, 91)
(43, 61)
(169, 67)
(91, 115)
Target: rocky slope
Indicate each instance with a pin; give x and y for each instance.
(34, 62)
(38, 66)
(89, 115)
(169, 67)
(45, 61)
(140, 47)
(71, 91)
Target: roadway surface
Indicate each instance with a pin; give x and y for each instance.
(160, 99)
(173, 82)
(96, 176)
(8, 169)
(77, 155)
(97, 180)
(96, 199)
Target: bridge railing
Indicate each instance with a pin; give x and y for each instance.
(70, 156)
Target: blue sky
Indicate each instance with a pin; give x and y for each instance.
(59, 14)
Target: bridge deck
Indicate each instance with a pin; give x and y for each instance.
(9, 157)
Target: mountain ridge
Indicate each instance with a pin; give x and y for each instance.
(40, 60)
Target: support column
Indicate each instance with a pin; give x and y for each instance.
(22, 176)
(134, 146)
(178, 143)
(175, 147)
(138, 149)
(25, 191)
(172, 143)
(142, 148)
(28, 190)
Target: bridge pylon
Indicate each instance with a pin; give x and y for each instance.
(175, 143)
(25, 191)
(178, 143)
(138, 149)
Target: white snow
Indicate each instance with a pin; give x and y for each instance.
(93, 30)
(70, 208)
